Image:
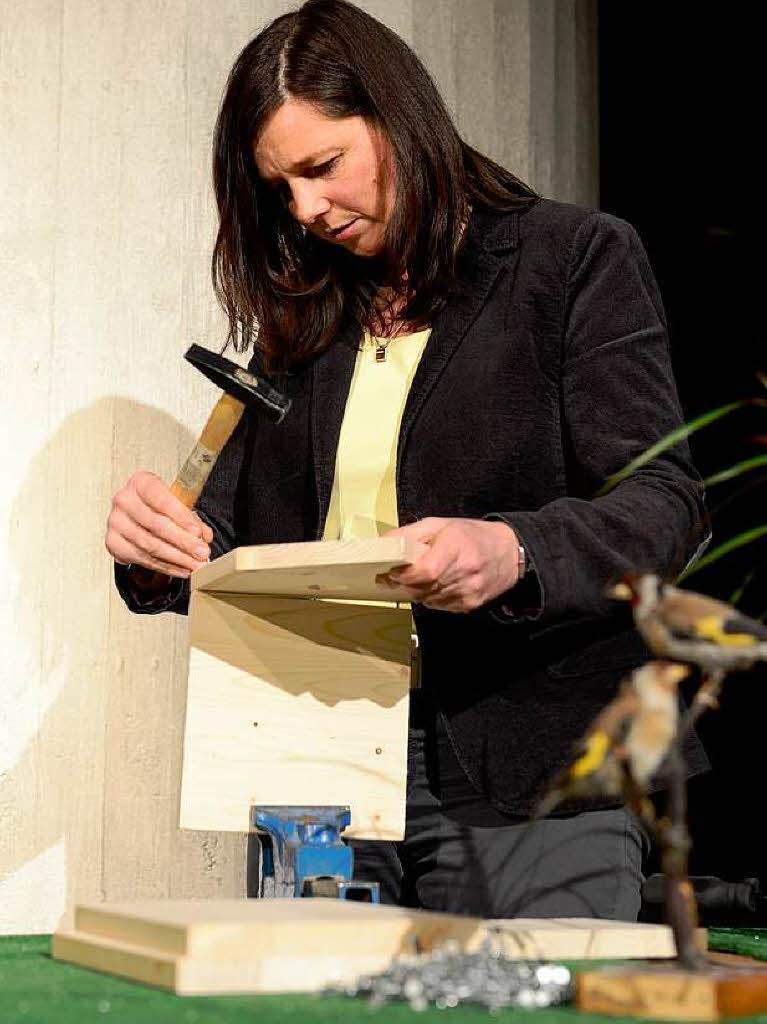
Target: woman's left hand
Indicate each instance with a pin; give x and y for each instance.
(470, 562)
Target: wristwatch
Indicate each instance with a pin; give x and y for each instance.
(521, 561)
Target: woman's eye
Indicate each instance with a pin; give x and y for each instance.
(324, 168)
(283, 189)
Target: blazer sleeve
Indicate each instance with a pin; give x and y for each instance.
(216, 506)
(618, 397)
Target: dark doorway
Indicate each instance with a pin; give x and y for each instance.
(682, 121)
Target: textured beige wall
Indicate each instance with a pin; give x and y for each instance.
(106, 115)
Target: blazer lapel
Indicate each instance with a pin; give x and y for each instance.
(479, 266)
(331, 379)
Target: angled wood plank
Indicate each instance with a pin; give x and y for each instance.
(332, 568)
(296, 701)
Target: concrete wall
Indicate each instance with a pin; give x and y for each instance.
(107, 223)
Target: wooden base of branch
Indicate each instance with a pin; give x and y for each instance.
(669, 992)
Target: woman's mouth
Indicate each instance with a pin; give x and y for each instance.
(344, 229)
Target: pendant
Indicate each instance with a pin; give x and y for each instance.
(380, 353)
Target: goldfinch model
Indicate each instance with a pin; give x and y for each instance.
(626, 743)
(685, 626)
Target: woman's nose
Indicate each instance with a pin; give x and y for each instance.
(307, 202)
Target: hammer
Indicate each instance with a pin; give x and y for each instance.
(240, 388)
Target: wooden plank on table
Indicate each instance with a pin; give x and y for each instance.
(211, 946)
(293, 701)
(202, 976)
(333, 568)
(139, 963)
(277, 945)
(582, 938)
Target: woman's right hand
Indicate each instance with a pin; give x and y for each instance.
(149, 526)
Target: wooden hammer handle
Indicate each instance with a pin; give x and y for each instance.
(191, 478)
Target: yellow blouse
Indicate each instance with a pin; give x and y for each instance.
(363, 501)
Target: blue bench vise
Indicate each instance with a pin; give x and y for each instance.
(302, 853)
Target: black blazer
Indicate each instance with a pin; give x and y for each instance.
(547, 372)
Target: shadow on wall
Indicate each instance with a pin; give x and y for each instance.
(89, 778)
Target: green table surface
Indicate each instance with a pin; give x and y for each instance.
(35, 988)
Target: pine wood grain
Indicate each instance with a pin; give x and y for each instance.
(583, 938)
(332, 568)
(293, 701)
(213, 946)
(277, 945)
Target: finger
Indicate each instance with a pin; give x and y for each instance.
(416, 594)
(147, 547)
(422, 530)
(126, 554)
(463, 597)
(451, 576)
(442, 604)
(207, 532)
(158, 525)
(431, 567)
(167, 570)
(155, 493)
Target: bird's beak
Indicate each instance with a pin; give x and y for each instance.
(620, 591)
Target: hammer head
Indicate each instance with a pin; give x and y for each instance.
(244, 386)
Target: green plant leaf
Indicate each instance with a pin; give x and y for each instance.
(737, 493)
(736, 470)
(739, 591)
(741, 539)
(669, 441)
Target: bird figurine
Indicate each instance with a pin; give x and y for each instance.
(684, 626)
(624, 747)
(626, 743)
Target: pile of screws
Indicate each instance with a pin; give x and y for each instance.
(447, 977)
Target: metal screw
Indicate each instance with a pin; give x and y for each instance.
(447, 978)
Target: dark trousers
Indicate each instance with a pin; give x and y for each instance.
(460, 855)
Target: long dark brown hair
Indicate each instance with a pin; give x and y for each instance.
(285, 290)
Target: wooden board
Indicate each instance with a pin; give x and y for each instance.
(213, 946)
(669, 993)
(582, 938)
(210, 946)
(294, 701)
(333, 568)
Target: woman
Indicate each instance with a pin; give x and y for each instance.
(467, 363)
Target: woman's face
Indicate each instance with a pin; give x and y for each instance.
(330, 172)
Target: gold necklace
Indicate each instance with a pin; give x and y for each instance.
(383, 343)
